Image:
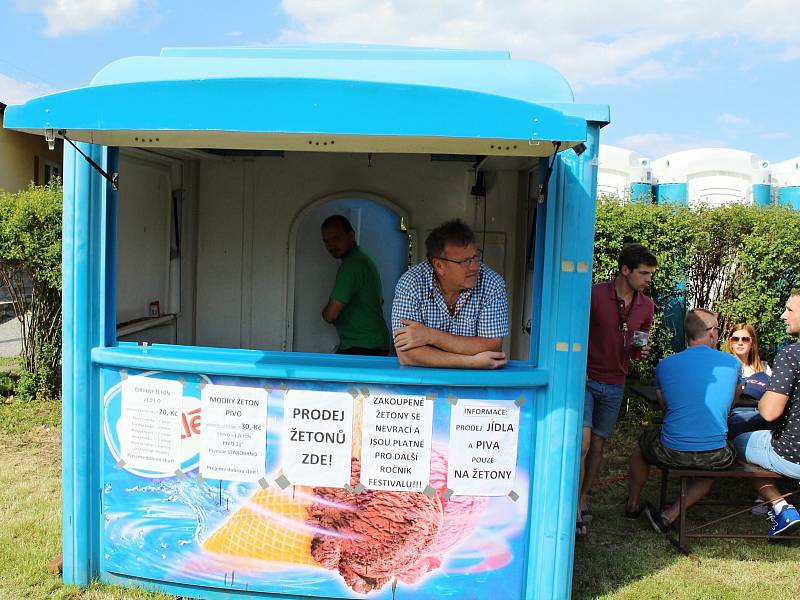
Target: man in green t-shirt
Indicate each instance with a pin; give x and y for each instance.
(355, 306)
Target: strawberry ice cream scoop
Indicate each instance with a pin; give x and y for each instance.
(460, 517)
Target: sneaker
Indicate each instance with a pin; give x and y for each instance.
(784, 521)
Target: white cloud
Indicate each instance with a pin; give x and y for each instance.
(776, 136)
(76, 16)
(648, 70)
(13, 91)
(656, 145)
(612, 42)
(733, 120)
(791, 53)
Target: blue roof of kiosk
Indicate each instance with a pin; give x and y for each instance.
(341, 97)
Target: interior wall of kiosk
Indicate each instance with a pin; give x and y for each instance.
(250, 270)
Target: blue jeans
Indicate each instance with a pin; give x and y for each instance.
(601, 406)
(756, 447)
(743, 420)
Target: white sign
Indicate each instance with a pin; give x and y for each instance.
(233, 445)
(150, 424)
(482, 458)
(317, 443)
(396, 443)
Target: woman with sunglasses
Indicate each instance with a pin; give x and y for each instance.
(744, 417)
(743, 344)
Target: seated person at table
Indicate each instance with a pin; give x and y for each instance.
(451, 310)
(743, 344)
(779, 450)
(695, 389)
(744, 417)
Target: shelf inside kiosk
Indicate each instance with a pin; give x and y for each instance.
(221, 248)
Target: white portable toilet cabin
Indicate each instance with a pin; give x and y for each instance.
(786, 182)
(712, 177)
(624, 174)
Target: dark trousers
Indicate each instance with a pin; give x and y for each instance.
(745, 420)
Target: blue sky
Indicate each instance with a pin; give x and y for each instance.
(678, 74)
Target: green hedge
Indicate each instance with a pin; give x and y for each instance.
(740, 261)
(30, 269)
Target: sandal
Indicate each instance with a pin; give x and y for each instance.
(656, 519)
(580, 529)
(635, 513)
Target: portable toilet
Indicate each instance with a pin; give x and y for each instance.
(712, 177)
(212, 444)
(787, 182)
(624, 174)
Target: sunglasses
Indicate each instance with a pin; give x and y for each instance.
(745, 338)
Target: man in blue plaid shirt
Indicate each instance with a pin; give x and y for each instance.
(451, 311)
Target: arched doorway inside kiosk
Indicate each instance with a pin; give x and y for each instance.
(379, 231)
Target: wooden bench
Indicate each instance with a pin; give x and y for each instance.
(648, 394)
(738, 470)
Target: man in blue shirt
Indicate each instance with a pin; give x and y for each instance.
(695, 389)
(451, 311)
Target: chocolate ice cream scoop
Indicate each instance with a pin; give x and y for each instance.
(375, 534)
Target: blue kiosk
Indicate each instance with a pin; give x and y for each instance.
(213, 445)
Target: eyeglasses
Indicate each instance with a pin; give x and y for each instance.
(745, 338)
(476, 259)
(712, 327)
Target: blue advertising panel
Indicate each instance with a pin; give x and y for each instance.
(270, 529)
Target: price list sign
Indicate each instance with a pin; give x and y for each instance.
(483, 447)
(150, 424)
(233, 446)
(396, 443)
(317, 437)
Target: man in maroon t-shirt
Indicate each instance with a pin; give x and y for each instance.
(619, 325)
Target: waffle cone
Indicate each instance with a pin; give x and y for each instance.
(270, 526)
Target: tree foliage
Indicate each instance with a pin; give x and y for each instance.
(30, 270)
(741, 261)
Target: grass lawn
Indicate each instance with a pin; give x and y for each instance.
(619, 559)
(30, 507)
(9, 363)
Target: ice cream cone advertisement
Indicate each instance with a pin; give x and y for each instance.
(360, 493)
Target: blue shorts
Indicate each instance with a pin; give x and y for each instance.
(601, 406)
(756, 447)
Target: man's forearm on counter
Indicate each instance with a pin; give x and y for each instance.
(464, 344)
(429, 356)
